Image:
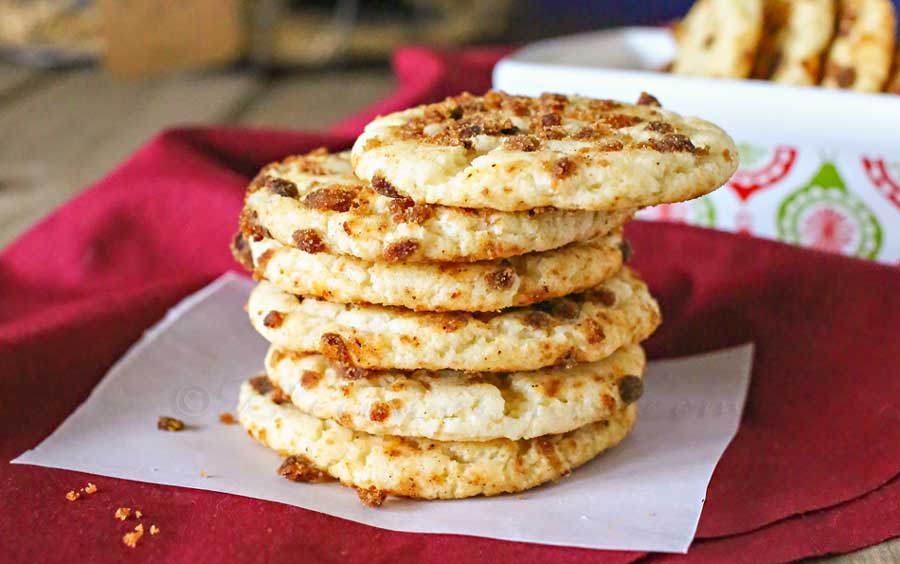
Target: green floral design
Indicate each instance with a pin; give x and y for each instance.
(751, 155)
(826, 194)
(702, 212)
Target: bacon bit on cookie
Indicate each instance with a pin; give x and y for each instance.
(165, 423)
(261, 384)
(333, 347)
(563, 168)
(502, 279)
(631, 388)
(660, 127)
(274, 319)
(122, 513)
(330, 198)
(72, 495)
(310, 379)
(154, 530)
(131, 539)
(279, 397)
(385, 188)
(526, 143)
(308, 240)
(298, 468)
(371, 496)
(672, 143)
(227, 419)
(380, 411)
(282, 187)
(396, 252)
(404, 210)
(648, 100)
(618, 121)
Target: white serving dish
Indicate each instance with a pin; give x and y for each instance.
(820, 167)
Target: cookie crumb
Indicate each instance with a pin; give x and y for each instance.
(154, 530)
(227, 418)
(204, 474)
(90, 489)
(131, 539)
(122, 513)
(371, 496)
(72, 495)
(165, 423)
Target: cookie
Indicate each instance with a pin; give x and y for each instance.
(860, 55)
(319, 192)
(584, 327)
(419, 468)
(516, 153)
(796, 35)
(464, 286)
(719, 38)
(893, 86)
(449, 405)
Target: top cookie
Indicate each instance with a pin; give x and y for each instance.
(860, 55)
(319, 192)
(797, 33)
(719, 38)
(515, 153)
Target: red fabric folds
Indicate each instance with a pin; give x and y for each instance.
(813, 469)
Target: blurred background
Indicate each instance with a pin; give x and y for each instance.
(83, 83)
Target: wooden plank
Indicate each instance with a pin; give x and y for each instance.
(887, 552)
(71, 132)
(12, 77)
(318, 100)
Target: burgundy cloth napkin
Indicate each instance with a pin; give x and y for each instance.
(813, 469)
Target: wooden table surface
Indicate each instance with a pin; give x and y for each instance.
(62, 131)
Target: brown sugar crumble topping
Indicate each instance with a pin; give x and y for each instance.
(154, 530)
(400, 250)
(72, 495)
(90, 488)
(274, 319)
(310, 379)
(282, 187)
(371, 496)
(404, 210)
(648, 100)
(385, 188)
(631, 388)
(308, 240)
(261, 384)
(331, 198)
(563, 168)
(300, 469)
(122, 513)
(165, 423)
(549, 117)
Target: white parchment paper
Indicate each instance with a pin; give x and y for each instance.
(646, 494)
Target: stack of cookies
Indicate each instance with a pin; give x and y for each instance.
(448, 306)
(847, 44)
